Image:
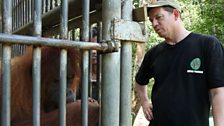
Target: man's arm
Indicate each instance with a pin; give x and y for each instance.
(217, 100)
(146, 105)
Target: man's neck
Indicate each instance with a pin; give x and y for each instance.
(178, 36)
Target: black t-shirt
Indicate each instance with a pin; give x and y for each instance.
(183, 75)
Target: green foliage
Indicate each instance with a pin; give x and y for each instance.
(150, 85)
(204, 16)
(136, 3)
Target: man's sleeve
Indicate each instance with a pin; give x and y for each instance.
(215, 59)
(145, 71)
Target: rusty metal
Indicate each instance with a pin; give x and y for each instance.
(129, 31)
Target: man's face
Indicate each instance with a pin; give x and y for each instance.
(162, 21)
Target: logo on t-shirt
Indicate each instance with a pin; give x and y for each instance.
(195, 65)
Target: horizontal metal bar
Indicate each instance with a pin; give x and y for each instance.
(40, 41)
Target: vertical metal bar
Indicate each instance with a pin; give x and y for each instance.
(29, 5)
(37, 63)
(44, 5)
(63, 83)
(85, 77)
(26, 11)
(13, 50)
(48, 5)
(37, 18)
(73, 34)
(110, 68)
(52, 4)
(36, 86)
(99, 61)
(63, 63)
(126, 71)
(6, 83)
(64, 19)
(90, 80)
(90, 83)
(57, 3)
(17, 10)
(99, 66)
(125, 98)
(6, 65)
(23, 12)
(85, 20)
(30, 10)
(16, 13)
(13, 14)
(85, 74)
(20, 13)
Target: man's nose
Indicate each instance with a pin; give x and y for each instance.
(154, 23)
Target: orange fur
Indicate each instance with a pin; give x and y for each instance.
(73, 116)
(21, 84)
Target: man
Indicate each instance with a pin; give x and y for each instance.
(188, 69)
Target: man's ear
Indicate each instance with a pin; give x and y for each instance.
(176, 14)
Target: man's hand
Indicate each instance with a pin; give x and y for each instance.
(147, 109)
(145, 102)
